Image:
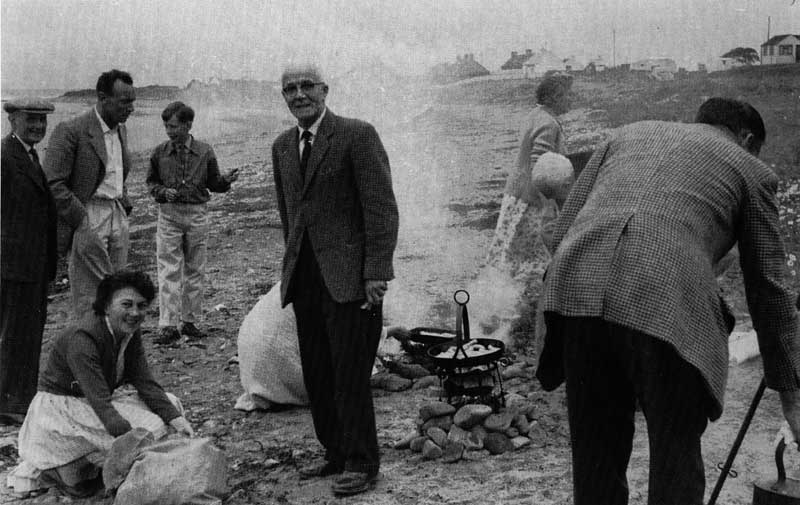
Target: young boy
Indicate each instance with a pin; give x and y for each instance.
(182, 172)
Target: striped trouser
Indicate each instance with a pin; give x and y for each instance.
(338, 342)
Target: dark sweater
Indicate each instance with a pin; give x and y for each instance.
(83, 362)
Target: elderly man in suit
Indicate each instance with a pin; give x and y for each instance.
(27, 254)
(340, 223)
(632, 305)
(86, 166)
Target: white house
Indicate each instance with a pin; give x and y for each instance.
(654, 64)
(781, 49)
(542, 62)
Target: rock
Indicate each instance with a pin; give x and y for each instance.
(443, 422)
(431, 450)
(438, 435)
(405, 442)
(396, 383)
(520, 442)
(511, 432)
(522, 424)
(513, 371)
(476, 438)
(497, 443)
(498, 422)
(471, 415)
(457, 434)
(411, 370)
(389, 382)
(475, 455)
(426, 382)
(452, 452)
(417, 444)
(516, 402)
(474, 442)
(435, 409)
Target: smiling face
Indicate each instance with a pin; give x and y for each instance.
(305, 93)
(28, 126)
(126, 311)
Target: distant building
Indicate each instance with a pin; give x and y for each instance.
(596, 65)
(781, 49)
(516, 60)
(654, 64)
(573, 64)
(542, 62)
(464, 68)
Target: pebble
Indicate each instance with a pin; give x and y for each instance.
(497, 443)
(514, 371)
(438, 435)
(431, 450)
(412, 371)
(511, 432)
(474, 442)
(417, 443)
(405, 442)
(457, 434)
(522, 424)
(426, 382)
(452, 452)
(390, 382)
(435, 409)
(520, 442)
(475, 455)
(471, 415)
(498, 422)
(516, 402)
(443, 422)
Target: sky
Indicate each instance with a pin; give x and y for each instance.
(67, 44)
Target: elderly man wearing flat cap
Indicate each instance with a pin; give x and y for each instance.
(27, 254)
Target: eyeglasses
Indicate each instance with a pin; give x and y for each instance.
(306, 87)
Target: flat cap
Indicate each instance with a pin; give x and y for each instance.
(28, 104)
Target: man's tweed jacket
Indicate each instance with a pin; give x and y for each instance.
(345, 204)
(75, 165)
(649, 216)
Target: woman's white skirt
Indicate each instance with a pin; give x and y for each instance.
(60, 429)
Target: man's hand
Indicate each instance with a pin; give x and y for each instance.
(171, 194)
(790, 430)
(375, 291)
(181, 425)
(232, 175)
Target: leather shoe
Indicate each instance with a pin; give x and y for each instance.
(351, 483)
(191, 331)
(320, 470)
(168, 335)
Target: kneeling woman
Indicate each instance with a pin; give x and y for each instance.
(80, 406)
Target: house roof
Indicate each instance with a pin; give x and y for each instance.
(773, 41)
(515, 61)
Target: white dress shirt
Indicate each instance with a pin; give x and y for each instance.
(111, 186)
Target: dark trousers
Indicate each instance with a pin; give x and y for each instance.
(338, 343)
(23, 312)
(607, 369)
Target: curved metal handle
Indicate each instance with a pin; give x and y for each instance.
(779, 460)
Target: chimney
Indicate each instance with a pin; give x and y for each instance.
(513, 54)
(528, 52)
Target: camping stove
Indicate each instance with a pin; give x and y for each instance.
(468, 369)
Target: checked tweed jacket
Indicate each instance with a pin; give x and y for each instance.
(346, 205)
(649, 216)
(75, 165)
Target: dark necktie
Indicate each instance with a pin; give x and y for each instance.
(34, 156)
(306, 136)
